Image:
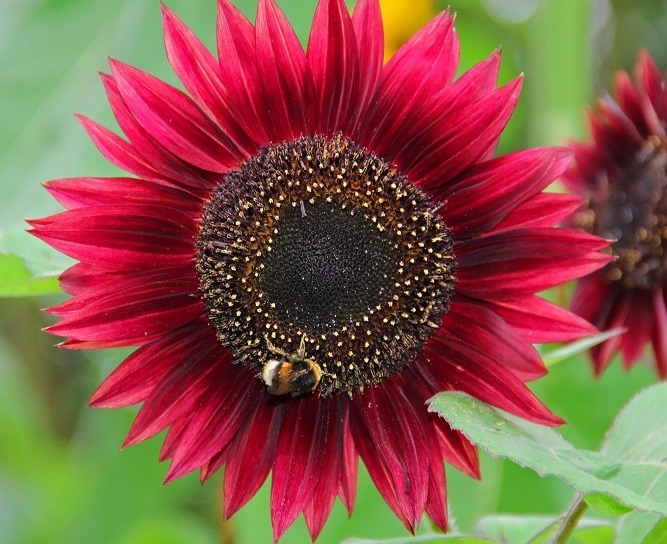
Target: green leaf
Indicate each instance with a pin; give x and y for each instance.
(17, 281)
(579, 346)
(641, 528)
(539, 529)
(630, 470)
(422, 539)
(38, 258)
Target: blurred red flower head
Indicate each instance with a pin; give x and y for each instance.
(623, 175)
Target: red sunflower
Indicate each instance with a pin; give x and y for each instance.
(310, 246)
(623, 175)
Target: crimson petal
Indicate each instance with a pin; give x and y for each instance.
(422, 67)
(659, 336)
(85, 192)
(469, 369)
(175, 120)
(302, 437)
(135, 379)
(490, 191)
(256, 441)
(500, 341)
(387, 432)
(518, 263)
(180, 391)
(238, 70)
(367, 22)
(541, 321)
(199, 72)
(124, 237)
(286, 79)
(319, 506)
(133, 311)
(541, 210)
(333, 60)
(213, 425)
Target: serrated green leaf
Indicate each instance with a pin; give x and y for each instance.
(17, 281)
(448, 539)
(579, 346)
(633, 478)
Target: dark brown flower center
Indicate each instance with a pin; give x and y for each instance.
(321, 268)
(634, 213)
(328, 266)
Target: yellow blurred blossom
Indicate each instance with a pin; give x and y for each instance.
(402, 18)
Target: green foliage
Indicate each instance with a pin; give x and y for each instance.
(541, 529)
(571, 349)
(628, 474)
(435, 539)
(17, 281)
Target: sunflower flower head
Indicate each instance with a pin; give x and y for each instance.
(308, 246)
(623, 176)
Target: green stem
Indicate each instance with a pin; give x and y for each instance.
(570, 520)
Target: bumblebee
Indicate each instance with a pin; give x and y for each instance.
(291, 373)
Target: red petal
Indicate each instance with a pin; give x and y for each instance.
(500, 341)
(542, 210)
(84, 192)
(391, 441)
(200, 74)
(286, 81)
(541, 321)
(134, 380)
(367, 22)
(127, 237)
(253, 451)
(79, 278)
(464, 367)
(349, 466)
(429, 116)
(659, 336)
(174, 120)
(456, 448)
(319, 506)
(420, 69)
(152, 151)
(216, 420)
(180, 391)
(133, 310)
(238, 70)
(332, 57)
(652, 93)
(521, 262)
(299, 451)
(629, 101)
(119, 152)
(639, 322)
(460, 139)
(593, 299)
(603, 353)
(488, 192)
(436, 505)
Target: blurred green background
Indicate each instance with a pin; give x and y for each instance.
(62, 478)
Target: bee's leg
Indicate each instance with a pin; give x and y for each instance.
(274, 349)
(301, 354)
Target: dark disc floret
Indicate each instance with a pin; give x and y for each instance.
(320, 240)
(634, 214)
